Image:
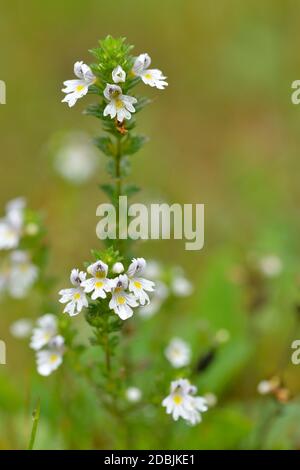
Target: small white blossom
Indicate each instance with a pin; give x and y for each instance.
(21, 328)
(120, 106)
(75, 158)
(118, 74)
(270, 265)
(268, 386)
(79, 87)
(133, 394)
(48, 360)
(44, 332)
(138, 285)
(178, 353)
(21, 275)
(118, 268)
(181, 403)
(12, 224)
(152, 77)
(121, 302)
(181, 287)
(211, 399)
(98, 284)
(75, 297)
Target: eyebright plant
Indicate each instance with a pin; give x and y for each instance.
(113, 285)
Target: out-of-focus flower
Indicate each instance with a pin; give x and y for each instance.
(153, 269)
(181, 287)
(118, 268)
(133, 394)
(152, 77)
(75, 297)
(270, 265)
(211, 399)
(268, 386)
(98, 283)
(181, 402)
(12, 224)
(48, 360)
(222, 336)
(21, 328)
(75, 158)
(139, 286)
(178, 353)
(120, 106)
(44, 332)
(122, 302)
(21, 275)
(118, 74)
(79, 87)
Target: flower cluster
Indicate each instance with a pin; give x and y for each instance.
(48, 344)
(182, 402)
(17, 272)
(126, 291)
(119, 105)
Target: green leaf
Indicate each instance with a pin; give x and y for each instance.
(132, 144)
(130, 189)
(109, 190)
(106, 145)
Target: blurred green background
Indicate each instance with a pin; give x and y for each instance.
(225, 134)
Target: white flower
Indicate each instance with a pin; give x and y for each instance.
(178, 353)
(181, 287)
(118, 268)
(121, 302)
(51, 358)
(119, 105)
(160, 294)
(182, 403)
(11, 225)
(98, 284)
(153, 269)
(76, 159)
(138, 285)
(22, 274)
(44, 332)
(268, 386)
(152, 77)
(133, 394)
(21, 328)
(74, 297)
(77, 88)
(118, 74)
(271, 265)
(211, 399)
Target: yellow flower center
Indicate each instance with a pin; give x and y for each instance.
(137, 284)
(177, 399)
(119, 104)
(53, 358)
(99, 284)
(77, 296)
(121, 300)
(100, 274)
(148, 75)
(79, 87)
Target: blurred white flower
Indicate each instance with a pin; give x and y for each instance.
(181, 287)
(11, 224)
(75, 297)
(44, 332)
(161, 292)
(98, 284)
(139, 286)
(118, 75)
(121, 302)
(21, 275)
(152, 77)
(181, 402)
(76, 158)
(21, 328)
(32, 229)
(211, 399)
(178, 353)
(48, 360)
(268, 386)
(79, 87)
(120, 106)
(133, 394)
(153, 269)
(118, 268)
(270, 265)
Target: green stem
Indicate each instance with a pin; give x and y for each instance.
(118, 186)
(36, 417)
